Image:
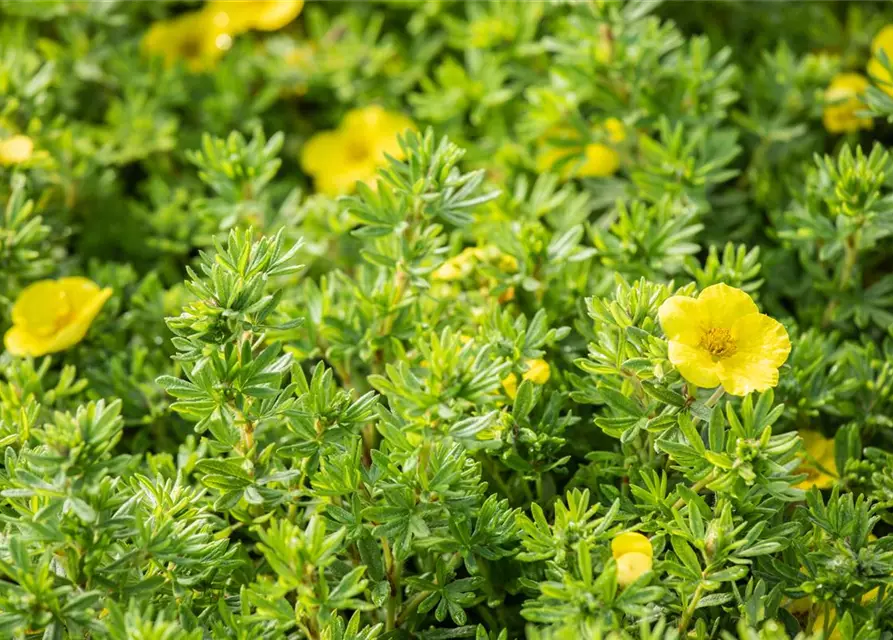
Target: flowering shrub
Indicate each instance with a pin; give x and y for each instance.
(380, 320)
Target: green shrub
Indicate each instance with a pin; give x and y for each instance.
(381, 320)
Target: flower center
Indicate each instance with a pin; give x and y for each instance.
(718, 342)
(357, 150)
(190, 48)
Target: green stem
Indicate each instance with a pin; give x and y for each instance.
(696, 487)
(394, 570)
(690, 609)
(411, 605)
(850, 254)
(712, 400)
(703, 482)
(494, 473)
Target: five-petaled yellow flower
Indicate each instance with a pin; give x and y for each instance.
(16, 150)
(574, 159)
(194, 37)
(634, 556)
(818, 461)
(353, 152)
(883, 40)
(842, 103)
(721, 338)
(538, 372)
(53, 315)
(237, 16)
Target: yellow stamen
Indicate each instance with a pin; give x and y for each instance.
(718, 342)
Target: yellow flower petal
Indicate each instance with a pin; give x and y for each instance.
(355, 150)
(883, 40)
(694, 364)
(265, 15)
(615, 129)
(761, 335)
(510, 384)
(630, 542)
(818, 461)
(724, 304)
(40, 306)
(799, 605)
(549, 158)
(80, 291)
(843, 102)
(342, 180)
(16, 150)
(600, 161)
(818, 626)
(322, 152)
(538, 371)
(817, 446)
(192, 37)
(682, 319)
(762, 346)
(53, 315)
(631, 566)
(21, 343)
(878, 72)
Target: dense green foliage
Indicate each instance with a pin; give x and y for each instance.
(304, 416)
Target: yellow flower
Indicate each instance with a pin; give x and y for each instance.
(192, 37)
(634, 556)
(721, 338)
(53, 315)
(799, 605)
(510, 384)
(842, 102)
(16, 150)
(457, 267)
(538, 372)
(265, 15)
(818, 461)
(883, 40)
(354, 151)
(599, 159)
(819, 625)
(460, 266)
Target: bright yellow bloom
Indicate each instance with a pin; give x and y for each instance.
(538, 372)
(721, 338)
(843, 101)
(630, 542)
(192, 37)
(16, 150)
(634, 555)
(53, 315)
(599, 159)
(883, 40)
(237, 16)
(354, 151)
(818, 461)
